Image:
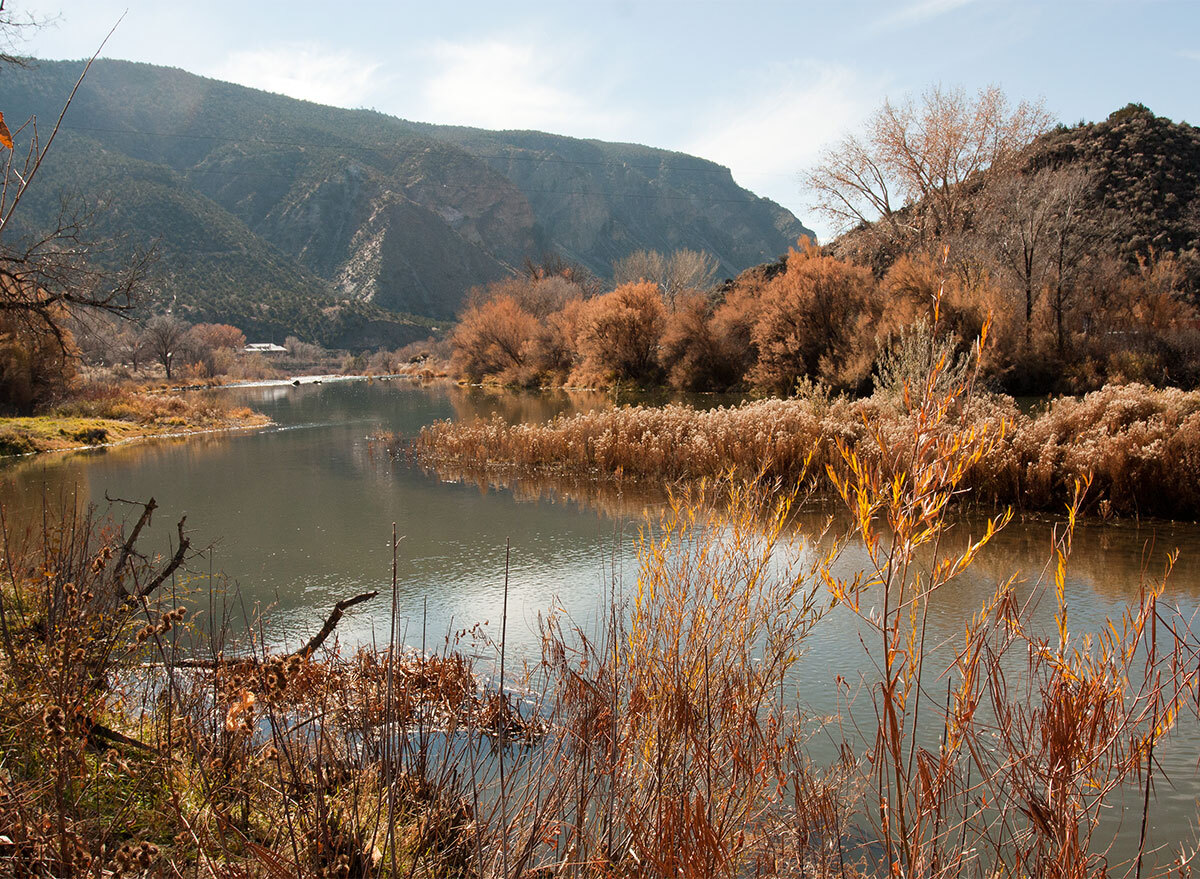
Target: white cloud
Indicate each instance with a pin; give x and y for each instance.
(922, 10)
(304, 70)
(769, 140)
(499, 84)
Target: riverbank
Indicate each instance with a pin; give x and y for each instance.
(102, 416)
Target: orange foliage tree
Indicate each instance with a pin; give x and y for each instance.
(36, 365)
(620, 334)
(520, 330)
(813, 320)
(696, 351)
(493, 338)
(214, 337)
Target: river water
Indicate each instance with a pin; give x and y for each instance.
(300, 515)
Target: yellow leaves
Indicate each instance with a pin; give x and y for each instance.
(241, 712)
(1060, 580)
(5, 134)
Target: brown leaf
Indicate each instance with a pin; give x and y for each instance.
(5, 134)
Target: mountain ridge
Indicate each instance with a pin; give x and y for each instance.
(354, 208)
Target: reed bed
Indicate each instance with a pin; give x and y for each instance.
(1139, 446)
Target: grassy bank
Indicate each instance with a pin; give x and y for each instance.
(96, 415)
(1139, 446)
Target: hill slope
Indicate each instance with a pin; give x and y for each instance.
(1147, 180)
(278, 214)
(1142, 196)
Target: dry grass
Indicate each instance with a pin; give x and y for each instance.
(1139, 445)
(98, 414)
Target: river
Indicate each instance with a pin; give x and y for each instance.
(300, 515)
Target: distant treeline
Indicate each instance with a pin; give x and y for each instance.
(812, 317)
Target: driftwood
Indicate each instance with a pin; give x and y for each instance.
(304, 652)
(128, 551)
(335, 616)
(176, 560)
(148, 509)
(99, 736)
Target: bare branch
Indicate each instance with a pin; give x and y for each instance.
(127, 550)
(918, 155)
(172, 566)
(41, 155)
(335, 617)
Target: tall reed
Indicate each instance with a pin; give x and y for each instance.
(1140, 446)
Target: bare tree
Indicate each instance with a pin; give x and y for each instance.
(682, 270)
(1021, 209)
(13, 28)
(641, 265)
(909, 166)
(1069, 245)
(131, 345)
(1031, 219)
(164, 338)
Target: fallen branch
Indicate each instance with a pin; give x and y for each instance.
(306, 651)
(172, 566)
(330, 624)
(98, 734)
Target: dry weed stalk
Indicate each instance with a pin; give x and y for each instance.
(678, 750)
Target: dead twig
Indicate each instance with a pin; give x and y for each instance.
(335, 617)
(148, 509)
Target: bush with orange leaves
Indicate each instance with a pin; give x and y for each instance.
(695, 352)
(812, 321)
(519, 331)
(36, 367)
(619, 336)
(494, 338)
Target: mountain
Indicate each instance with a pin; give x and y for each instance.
(281, 215)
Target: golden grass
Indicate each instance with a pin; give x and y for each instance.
(98, 415)
(1139, 445)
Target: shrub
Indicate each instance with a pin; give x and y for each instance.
(493, 339)
(619, 336)
(36, 367)
(908, 357)
(815, 320)
(695, 354)
(1139, 446)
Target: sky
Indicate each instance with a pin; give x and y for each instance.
(760, 87)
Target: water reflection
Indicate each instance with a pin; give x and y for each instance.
(478, 402)
(300, 515)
